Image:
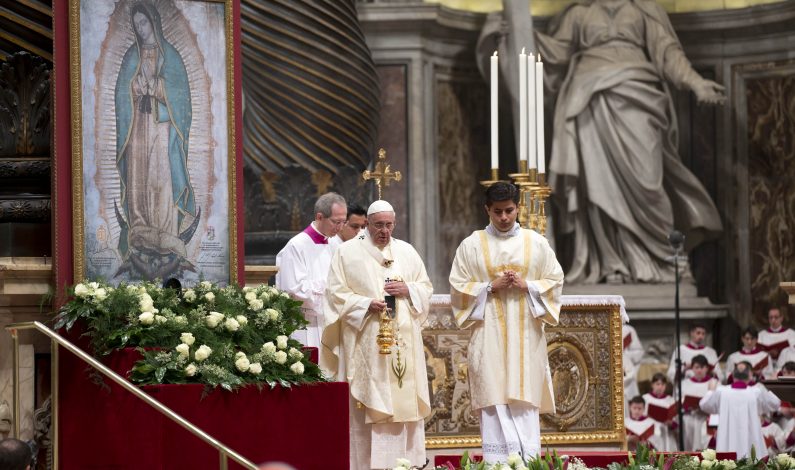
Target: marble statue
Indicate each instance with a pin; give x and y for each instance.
(620, 185)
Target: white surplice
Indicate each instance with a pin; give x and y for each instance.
(738, 407)
(664, 438)
(633, 354)
(696, 436)
(755, 358)
(687, 353)
(387, 411)
(507, 353)
(303, 266)
(770, 337)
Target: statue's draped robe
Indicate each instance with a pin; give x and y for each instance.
(391, 413)
(614, 160)
(507, 353)
(152, 134)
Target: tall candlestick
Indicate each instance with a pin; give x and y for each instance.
(531, 111)
(540, 116)
(495, 148)
(523, 108)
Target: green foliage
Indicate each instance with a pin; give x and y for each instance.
(222, 337)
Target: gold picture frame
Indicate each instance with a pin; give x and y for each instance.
(220, 139)
(588, 340)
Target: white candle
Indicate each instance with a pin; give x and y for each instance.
(540, 115)
(531, 111)
(522, 107)
(494, 78)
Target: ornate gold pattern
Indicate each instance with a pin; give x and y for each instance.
(585, 362)
(78, 207)
(381, 173)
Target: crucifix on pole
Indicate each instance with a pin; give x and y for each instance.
(382, 173)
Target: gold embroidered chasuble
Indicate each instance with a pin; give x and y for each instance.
(507, 354)
(357, 275)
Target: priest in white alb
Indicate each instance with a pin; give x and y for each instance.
(389, 391)
(506, 285)
(304, 262)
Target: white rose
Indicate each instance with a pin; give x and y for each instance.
(295, 354)
(782, 459)
(202, 353)
(281, 342)
(256, 304)
(273, 314)
(297, 368)
(189, 295)
(255, 368)
(728, 464)
(247, 289)
(251, 296)
(402, 464)
(280, 357)
(187, 338)
(513, 459)
(239, 354)
(284, 294)
(81, 290)
(242, 319)
(242, 364)
(132, 288)
(93, 285)
(180, 320)
(265, 295)
(231, 324)
(160, 319)
(206, 284)
(213, 319)
(146, 318)
(190, 371)
(100, 294)
(708, 454)
(707, 463)
(210, 297)
(269, 348)
(145, 303)
(183, 349)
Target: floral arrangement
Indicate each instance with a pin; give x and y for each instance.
(643, 459)
(218, 336)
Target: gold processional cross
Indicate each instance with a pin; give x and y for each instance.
(381, 174)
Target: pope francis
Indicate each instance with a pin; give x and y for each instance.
(389, 392)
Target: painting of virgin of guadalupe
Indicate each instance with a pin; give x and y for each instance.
(155, 140)
(157, 214)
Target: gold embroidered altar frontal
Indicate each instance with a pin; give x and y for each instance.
(584, 359)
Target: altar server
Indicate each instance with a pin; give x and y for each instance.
(388, 390)
(662, 408)
(505, 284)
(776, 338)
(751, 353)
(304, 263)
(698, 336)
(694, 389)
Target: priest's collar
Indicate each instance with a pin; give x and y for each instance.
(695, 346)
(315, 235)
(492, 230)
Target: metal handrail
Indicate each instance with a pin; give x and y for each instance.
(223, 451)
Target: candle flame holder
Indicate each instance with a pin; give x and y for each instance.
(541, 194)
(526, 181)
(495, 178)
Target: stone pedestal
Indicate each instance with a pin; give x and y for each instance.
(24, 285)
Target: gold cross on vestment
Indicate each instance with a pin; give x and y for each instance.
(381, 174)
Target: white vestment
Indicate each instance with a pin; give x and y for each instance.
(756, 358)
(687, 353)
(695, 420)
(775, 438)
(507, 354)
(664, 438)
(303, 266)
(739, 426)
(633, 354)
(769, 337)
(388, 406)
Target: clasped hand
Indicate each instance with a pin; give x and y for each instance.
(394, 288)
(508, 280)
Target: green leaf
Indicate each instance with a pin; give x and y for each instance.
(160, 373)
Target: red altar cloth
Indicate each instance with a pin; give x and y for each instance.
(589, 458)
(105, 428)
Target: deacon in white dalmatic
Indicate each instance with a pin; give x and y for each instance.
(505, 286)
(304, 262)
(389, 392)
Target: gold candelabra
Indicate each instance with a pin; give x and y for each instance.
(541, 194)
(495, 178)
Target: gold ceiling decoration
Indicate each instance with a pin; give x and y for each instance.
(550, 7)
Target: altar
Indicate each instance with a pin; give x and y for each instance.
(585, 352)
